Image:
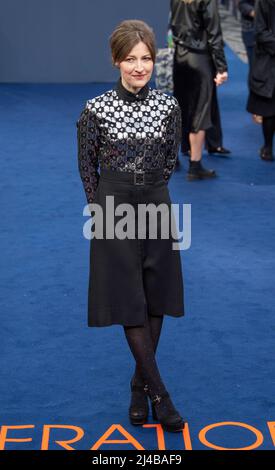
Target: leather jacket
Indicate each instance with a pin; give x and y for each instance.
(195, 25)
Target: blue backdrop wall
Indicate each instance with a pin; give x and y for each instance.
(67, 40)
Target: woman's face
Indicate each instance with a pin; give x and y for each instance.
(137, 68)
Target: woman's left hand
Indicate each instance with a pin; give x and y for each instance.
(221, 78)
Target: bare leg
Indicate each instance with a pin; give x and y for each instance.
(196, 143)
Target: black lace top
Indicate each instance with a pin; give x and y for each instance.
(123, 131)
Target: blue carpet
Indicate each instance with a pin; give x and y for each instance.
(217, 361)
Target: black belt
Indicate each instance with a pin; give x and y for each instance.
(137, 177)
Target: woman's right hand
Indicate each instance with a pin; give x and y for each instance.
(221, 78)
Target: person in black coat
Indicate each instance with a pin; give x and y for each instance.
(247, 9)
(199, 65)
(261, 99)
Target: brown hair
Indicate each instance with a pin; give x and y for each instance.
(129, 33)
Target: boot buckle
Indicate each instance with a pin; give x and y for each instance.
(156, 399)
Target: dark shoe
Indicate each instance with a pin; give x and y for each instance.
(198, 172)
(165, 413)
(266, 154)
(139, 409)
(218, 151)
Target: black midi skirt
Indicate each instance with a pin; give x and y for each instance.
(261, 105)
(193, 77)
(137, 275)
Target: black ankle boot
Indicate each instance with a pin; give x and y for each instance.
(198, 172)
(164, 411)
(266, 154)
(139, 409)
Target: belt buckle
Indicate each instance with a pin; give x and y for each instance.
(139, 177)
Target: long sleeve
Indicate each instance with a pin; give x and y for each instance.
(246, 8)
(211, 21)
(88, 147)
(174, 131)
(265, 37)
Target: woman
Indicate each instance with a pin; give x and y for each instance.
(247, 9)
(132, 133)
(199, 64)
(261, 100)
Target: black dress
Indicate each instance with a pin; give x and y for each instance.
(198, 57)
(133, 139)
(261, 105)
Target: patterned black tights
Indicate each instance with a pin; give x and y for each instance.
(143, 342)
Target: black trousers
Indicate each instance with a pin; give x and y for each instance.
(214, 136)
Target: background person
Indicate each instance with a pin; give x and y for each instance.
(247, 9)
(261, 100)
(199, 65)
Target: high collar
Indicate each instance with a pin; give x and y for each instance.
(127, 95)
